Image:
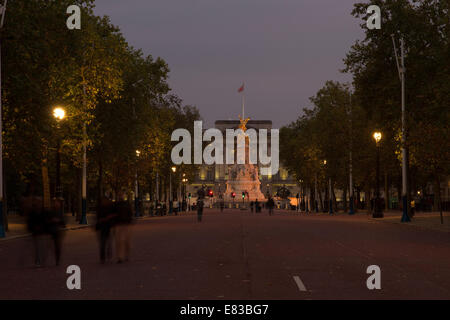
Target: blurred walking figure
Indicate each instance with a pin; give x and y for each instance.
(175, 207)
(222, 205)
(54, 224)
(200, 204)
(123, 228)
(32, 207)
(413, 208)
(105, 221)
(251, 206)
(270, 205)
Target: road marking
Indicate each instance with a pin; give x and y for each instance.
(299, 283)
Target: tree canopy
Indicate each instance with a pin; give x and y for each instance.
(121, 95)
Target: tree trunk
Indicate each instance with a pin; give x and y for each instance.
(368, 202)
(386, 191)
(334, 202)
(344, 198)
(78, 193)
(45, 185)
(322, 208)
(436, 189)
(5, 208)
(150, 187)
(399, 192)
(100, 183)
(438, 182)
(358, 198)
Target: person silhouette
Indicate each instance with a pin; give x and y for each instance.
(200, 204)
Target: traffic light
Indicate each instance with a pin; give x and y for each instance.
(233, 195)
(210, 193)
(243, 194)
(189, 195)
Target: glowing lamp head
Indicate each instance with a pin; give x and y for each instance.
(377, 136)
(174, 169)
(59, 113)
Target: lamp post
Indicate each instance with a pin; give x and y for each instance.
(59, 114)
(352, 210)
(185, 181)
(377, 213)
(84, 173)
(136, 189)
(300, 200)
(401, 72)
(2, 227)
(316, 200)
(173, 169)
(330, 195)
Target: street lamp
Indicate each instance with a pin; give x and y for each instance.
(136, 189)
(2, 227)
(350, 165)
(377, 136)
(377, 213)
(84, 170)
(180, 197)
(185, 181)
(173, 169)
(330, 194)
(402, 75)
(59, 114)
(300, 199)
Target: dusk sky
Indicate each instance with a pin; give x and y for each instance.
(284, 50)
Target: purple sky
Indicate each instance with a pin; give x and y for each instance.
(284, 50)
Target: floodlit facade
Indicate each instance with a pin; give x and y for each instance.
(215, 176)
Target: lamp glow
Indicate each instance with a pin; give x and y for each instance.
(59, 113)
(377, 136)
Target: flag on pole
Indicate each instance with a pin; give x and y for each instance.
(241, 89)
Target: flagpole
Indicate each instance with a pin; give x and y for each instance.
(243, 104)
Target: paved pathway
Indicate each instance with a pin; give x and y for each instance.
(237, 255)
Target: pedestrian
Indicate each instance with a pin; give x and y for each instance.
(105, 220)
(32, 207)
(54, 225)
(256, 206)
(175, 207)
(150, 210)
(222, 205)
(251, 206)
(413, 208)
(124, 214)
(200, 204)
(159, 208)
(270, 205)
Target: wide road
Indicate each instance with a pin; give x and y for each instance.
(239, 255)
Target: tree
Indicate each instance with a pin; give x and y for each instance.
(424, 25)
